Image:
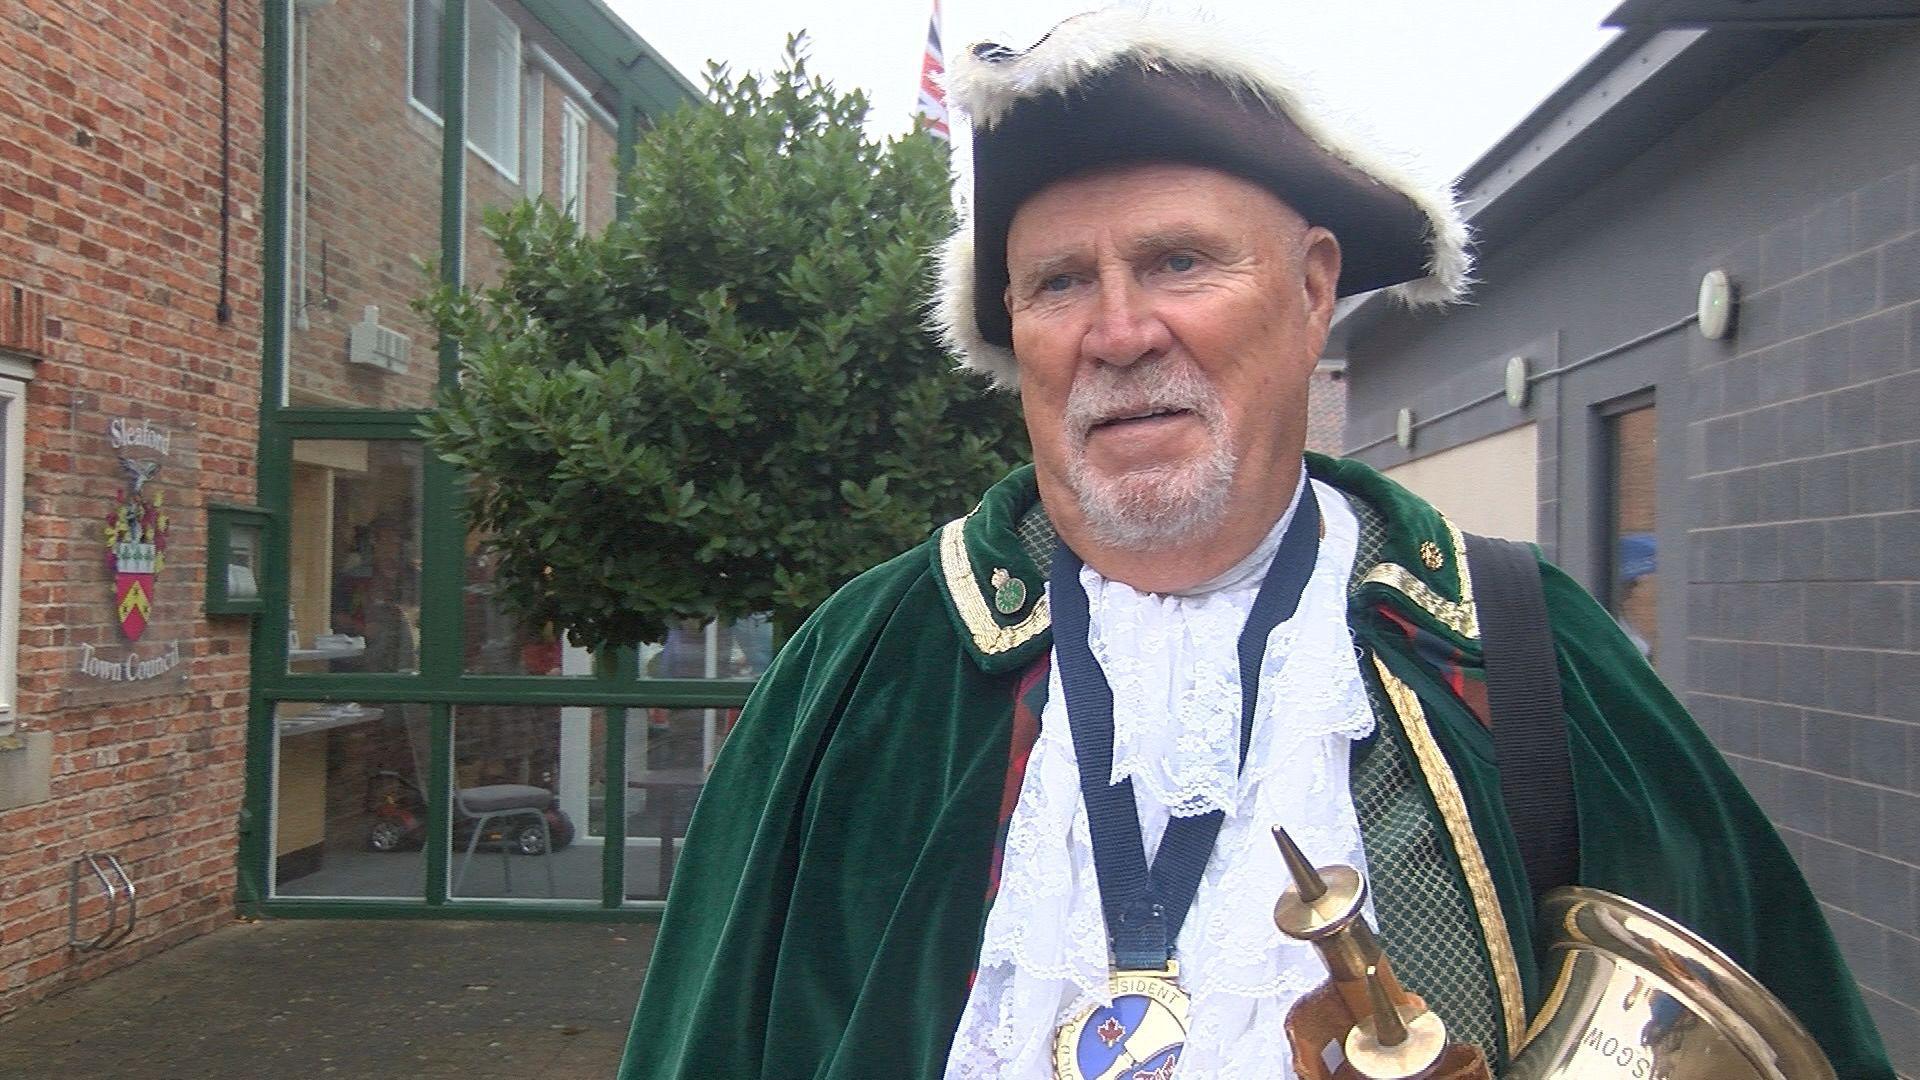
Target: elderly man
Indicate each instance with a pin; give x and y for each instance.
(1048, 744)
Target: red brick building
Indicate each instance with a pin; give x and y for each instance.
(212, 220)
(1327, 408)
(133, 294)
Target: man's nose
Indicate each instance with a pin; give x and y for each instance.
(1125, 327)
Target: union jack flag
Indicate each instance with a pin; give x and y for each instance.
(932, 109)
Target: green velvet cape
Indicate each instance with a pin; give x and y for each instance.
(827, 912)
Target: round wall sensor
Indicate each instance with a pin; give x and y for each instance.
(1716, 304)
(1403, 429)
(1517, 381)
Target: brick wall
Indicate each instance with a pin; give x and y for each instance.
(371, 205)
(110, 164)
(372, 202)
(1804, 608)
(1327, 411)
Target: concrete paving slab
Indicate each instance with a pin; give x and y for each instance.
(370, 1000)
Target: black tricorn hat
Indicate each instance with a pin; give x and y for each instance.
(1128, 85)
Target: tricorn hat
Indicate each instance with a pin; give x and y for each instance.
(1129, 84)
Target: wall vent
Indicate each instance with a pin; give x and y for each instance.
(374, 345)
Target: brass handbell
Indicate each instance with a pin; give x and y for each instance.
(1640, 995)
(1637, 996)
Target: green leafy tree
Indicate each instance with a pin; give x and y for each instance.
(728, 402)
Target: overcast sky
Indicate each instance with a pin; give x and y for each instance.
(1439, 79)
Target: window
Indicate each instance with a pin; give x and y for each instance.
(423, 56)
(573, 160)
(13, 406)
(493, 85)
(533, 165)
(493, 77)
(1633, 582)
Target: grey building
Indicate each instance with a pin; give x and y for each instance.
(1747, 504)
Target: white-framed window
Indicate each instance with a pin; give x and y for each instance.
(493, 77)
(533, 164)
(13, 448)
(573, 160)
(493, 86)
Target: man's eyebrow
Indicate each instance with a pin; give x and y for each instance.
(1044, 267)
(1169, 239)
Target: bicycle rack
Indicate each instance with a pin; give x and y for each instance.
(106, 867)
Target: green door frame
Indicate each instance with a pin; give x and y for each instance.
(646, 87)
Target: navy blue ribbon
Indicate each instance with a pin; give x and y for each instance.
(1146, 905)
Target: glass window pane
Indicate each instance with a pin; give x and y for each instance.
(355, 558)
(573, 160)
(492, 177)
(493, 86)
(349, 803)
(710, 650)
(1633, 439)
(669, 752)
(424, 37)
(498, 644)
(244, 569)
(522, 777)
(532, 112)
(364, 204)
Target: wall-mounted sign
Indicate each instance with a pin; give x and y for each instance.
(135, 645)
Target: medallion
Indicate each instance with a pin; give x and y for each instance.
(1141, 1036)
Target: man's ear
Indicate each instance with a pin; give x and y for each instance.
(1320, 273)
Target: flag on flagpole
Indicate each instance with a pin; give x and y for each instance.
(932, 108)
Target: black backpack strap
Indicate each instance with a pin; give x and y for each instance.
(1529, 723)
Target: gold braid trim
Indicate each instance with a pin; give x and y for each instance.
(988, 635)
(1473, 863)
(1462, 618)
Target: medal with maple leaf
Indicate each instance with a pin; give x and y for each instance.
(1140, 1036)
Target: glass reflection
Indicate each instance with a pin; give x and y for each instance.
(349, 818)
(516, 800)
(365, 203)
(355, 556)
(499, 644)
(1634, 585)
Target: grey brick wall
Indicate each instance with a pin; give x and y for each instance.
(1803, 609)
(1789, 453)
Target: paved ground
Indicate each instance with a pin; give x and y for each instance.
(401, 1000)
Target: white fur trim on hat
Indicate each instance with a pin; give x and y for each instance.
(1086, 45)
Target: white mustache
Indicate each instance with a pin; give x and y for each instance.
(1110, 393)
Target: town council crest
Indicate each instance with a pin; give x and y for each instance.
(136, 538)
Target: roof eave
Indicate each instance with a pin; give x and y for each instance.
(1632, 93)
(633, 69)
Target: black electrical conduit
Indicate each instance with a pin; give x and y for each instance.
(1606, 353)
(223, 312)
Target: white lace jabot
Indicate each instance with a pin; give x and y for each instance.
(1172, 663)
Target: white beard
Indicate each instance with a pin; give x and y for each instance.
(1159, 507)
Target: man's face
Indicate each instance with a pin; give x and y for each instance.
(1166, 319)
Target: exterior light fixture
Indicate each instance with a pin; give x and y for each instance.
(1403, 429)
(1717, 303)
(1517, 384)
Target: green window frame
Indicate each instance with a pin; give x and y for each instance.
(646, 87)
